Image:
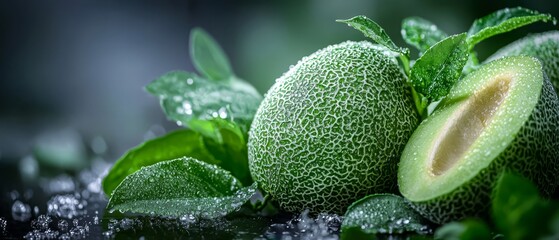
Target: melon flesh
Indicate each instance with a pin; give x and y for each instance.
(467, 124)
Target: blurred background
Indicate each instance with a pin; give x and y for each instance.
(78, 68)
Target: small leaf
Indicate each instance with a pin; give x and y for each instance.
(208, 57)
(185, 97)
(502, 21)
(384, 213)
(469, 229)
(518, 210)
(372, 30)
(180, 187)
(434, 73)
(421, 33)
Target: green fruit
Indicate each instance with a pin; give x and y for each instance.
(502, 117)
(332, 128)
(544, 46)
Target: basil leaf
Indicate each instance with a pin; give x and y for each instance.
(208, 57)
(374, 31)
(421, 33)
(180, 187)
(185, 97)
(502, 21)
(469, 229)
(519, 212)
(383, 213)
(434, 73)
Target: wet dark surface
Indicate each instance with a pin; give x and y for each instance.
(71, 205)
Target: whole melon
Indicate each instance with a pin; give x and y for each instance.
(331, 129)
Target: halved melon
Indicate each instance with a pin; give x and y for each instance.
(502, 117)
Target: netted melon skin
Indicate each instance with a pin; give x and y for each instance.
(544, 46)
(534, 154)
(332, 128)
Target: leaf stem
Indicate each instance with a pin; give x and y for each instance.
(405, 59)
(421, 103)
(418, 99)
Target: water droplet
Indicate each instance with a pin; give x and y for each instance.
(63, 225)
(21, 211)
(222, 113)
(98, 145)
(66, 206)
(41, 223)
(177, 98)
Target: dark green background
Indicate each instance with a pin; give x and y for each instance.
(83, 64)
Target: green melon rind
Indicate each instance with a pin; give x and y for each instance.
(531, 148)
(332, 128)
(544, 46)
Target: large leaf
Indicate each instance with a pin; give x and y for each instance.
(420, 33)
(176, 144)
(502, 21)
(180, 187)
(520, 213)
(374, 31)
(216, 142)
(185, 97)
(208, 57)
(382, 213)
(434, 73)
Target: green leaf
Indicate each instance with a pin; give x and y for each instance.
(502, 21)
(372, 30)
(518, 210)
(185, 142)
(469, 229)
(185, 97)
(226, 142)
(383, 213)
(434, 73)
(208, 57)
(180, 187)
(215, 141)
(421, 33)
